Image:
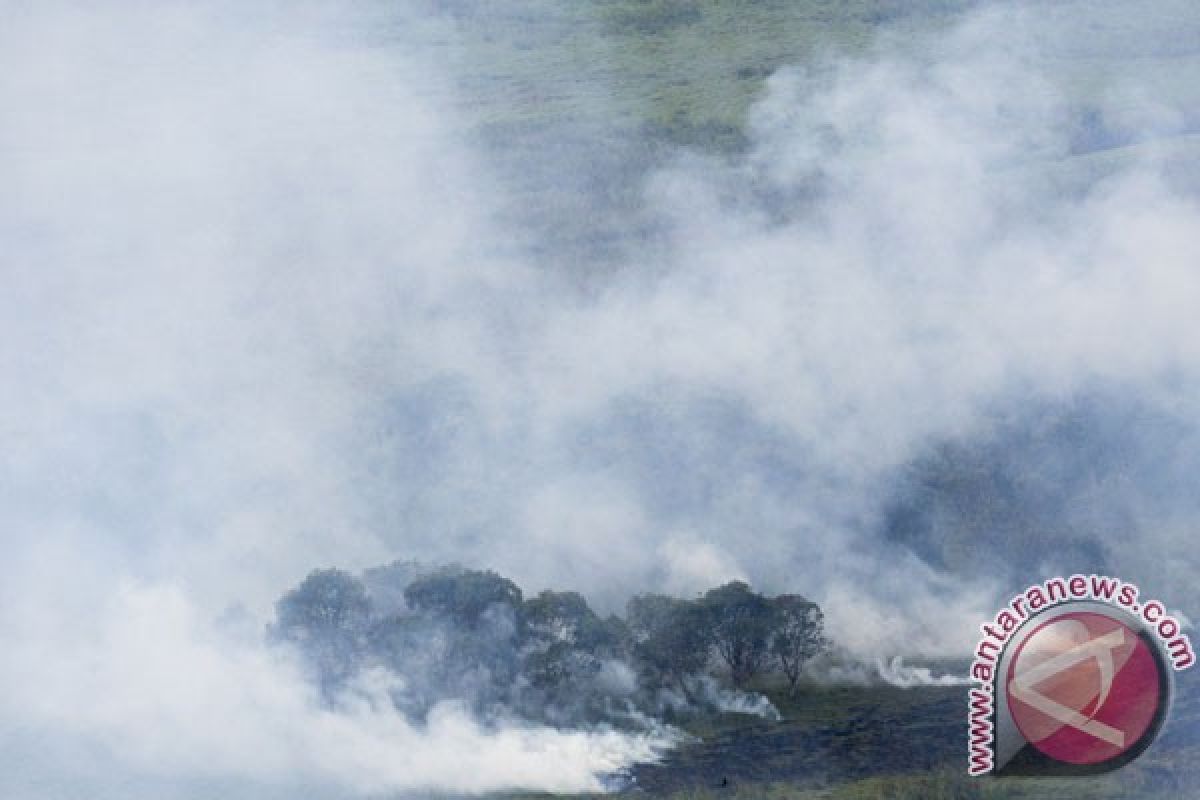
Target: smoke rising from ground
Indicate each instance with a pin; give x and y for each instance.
(889, 672)
(260, 315)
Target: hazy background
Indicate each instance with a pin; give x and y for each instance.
(299, 285)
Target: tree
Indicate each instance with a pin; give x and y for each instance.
(799, 634)
(670, 638)
(741, 622)
(565, 617)
(474, 621)
(464, 596)
(550, 668)
(557, 615)
(399, 642)
(326, 617)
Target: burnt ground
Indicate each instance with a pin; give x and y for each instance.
(825, 738)
(833, 738)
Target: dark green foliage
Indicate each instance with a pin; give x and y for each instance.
(558, 614)
(470, 636)
(741, 623)
(566, 647)
(474, 626)
(460, 639)
(327, 600)
(327, 617)
(799, 634)
(392, 640)
(551, 668)
(565, 616)
(463, 595)
(671, 638)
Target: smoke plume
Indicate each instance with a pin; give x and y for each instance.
(930, 335)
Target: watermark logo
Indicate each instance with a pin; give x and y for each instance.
(1074, 678)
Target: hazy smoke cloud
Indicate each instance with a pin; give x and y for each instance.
(259, 316)
(236, 242)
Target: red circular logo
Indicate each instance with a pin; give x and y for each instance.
(1084, 688)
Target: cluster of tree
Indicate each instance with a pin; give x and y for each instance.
(748, 632)
(472, 636)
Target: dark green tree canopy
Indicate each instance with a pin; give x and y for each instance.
(472, 636)
(327, 616)
(671, 638)
(558, 614)
(565, 616)
(799, 634)
(326, 602)
(741, 623)
(463, 595)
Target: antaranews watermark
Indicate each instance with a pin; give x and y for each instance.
(1074, 678)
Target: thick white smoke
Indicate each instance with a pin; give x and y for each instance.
(881, 671)
(173, 697)
(229, 234)
(258, 316)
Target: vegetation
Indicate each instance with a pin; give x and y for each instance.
(799, 635)
(742, 625)
(670, 641)
(328, 616)
(472, 636)
(463, 597)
